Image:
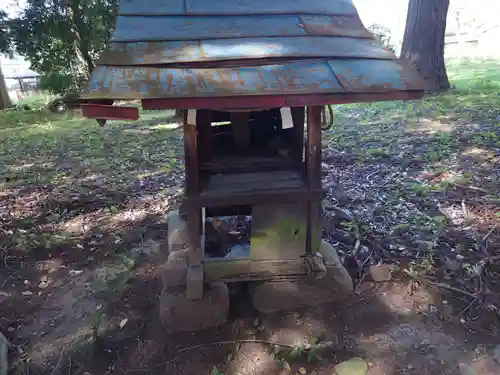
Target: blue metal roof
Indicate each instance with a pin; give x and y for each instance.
(211, 48)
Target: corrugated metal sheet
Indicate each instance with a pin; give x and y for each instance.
(335, 25)
(281, 79)
(151, 53)
(226, 48)
(234, 7)
(196, 27)
(375, 75)
(148, 28)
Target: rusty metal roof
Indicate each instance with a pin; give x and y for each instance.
(227, 48)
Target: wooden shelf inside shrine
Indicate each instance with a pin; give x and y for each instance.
(250, 159)
(258, 187)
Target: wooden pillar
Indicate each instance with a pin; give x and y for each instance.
(241, 130)
(204, 126)
(298, 114)
(194, 280)
(313, 173)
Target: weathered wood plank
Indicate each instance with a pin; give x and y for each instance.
(215, 198)
(304, 77)
(194, 28)
(233, 7)
(241, 270)
(313, 156)
(192, 187)
(376, 75)
(204, 136)
(229, 165)
(155, 53)
(298, 115)
(255, 181)
(245, 270)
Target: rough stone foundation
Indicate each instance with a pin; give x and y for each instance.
(177, 312)
(337, 284)
(177, 237)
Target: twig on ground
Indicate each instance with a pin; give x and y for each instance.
(473, 188)
(61, 363)
(474, 296)
(439, 285)
(189, 348)
(5, 261)
(490, 232)
(7, 279)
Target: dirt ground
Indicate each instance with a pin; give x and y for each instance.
(83, 225)
(397, 327)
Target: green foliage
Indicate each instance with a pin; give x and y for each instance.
(215, 371)
(5, 42)
(384, 36)
(59, 84)
(61, 39)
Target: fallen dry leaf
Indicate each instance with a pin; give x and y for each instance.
(123, 323)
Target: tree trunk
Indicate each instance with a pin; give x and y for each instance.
(423, 42)
(5, 101)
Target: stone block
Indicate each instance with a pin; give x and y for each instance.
(177, 237)
(280, 295)
(174, 271)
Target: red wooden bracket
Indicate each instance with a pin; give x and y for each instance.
(109, 112)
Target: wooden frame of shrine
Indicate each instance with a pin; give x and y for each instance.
(264, 67)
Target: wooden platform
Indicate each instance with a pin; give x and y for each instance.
(255, 188)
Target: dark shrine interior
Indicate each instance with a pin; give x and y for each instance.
(244, 152)
(247, 142)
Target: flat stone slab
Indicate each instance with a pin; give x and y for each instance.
(180, 314)
(280, 295)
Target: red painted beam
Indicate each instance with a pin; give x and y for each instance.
(216, 103)
(332, 99)
(273, 101)
(109, 112)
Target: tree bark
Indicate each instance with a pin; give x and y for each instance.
(423, 42)
(5, 101)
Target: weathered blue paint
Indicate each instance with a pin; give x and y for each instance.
(139, 83)
(335, 25)
(232, 7)
(151, 53)
(144, 53)
(225, 43)
(193, 28)
(375, 75)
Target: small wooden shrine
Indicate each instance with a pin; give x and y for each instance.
(248, 74)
